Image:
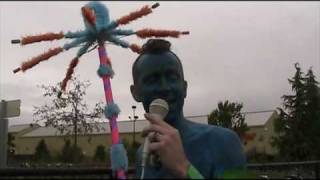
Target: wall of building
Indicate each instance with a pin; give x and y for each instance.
(261, 143)
(263, 138)
(17, 137)
(88, 143)
(269, 132)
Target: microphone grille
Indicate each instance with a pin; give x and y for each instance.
(160, 107)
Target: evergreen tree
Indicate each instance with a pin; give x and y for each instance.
(42, 153)
(298, 121)
(313, 116)
(71, 153)
(11, 146)
(100, 154)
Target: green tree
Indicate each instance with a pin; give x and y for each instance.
(298, 123)
(69, 113)
(131, 150)
(229, 115)
(313, 107)
(71, 153)
(42, 153)
(100, 154)
(10, 144)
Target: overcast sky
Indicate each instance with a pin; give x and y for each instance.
(236, 51)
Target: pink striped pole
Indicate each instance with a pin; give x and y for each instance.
(104, 60)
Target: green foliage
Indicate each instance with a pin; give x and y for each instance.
(10, 141)
(10, 145)
(42, 153)
(229, 115)
(71, 153)
(100, 154)
(299, 121)
(261, 158)
(131, 150)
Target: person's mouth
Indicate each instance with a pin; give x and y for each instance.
(169, 100)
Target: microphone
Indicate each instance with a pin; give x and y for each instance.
(161, 108)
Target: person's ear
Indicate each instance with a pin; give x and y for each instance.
(185, 87)
(135, 93)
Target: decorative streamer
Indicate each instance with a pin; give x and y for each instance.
(135, 48)
(36, 60)
(88, 14)
(42, 37)
(69, 73)
(145, 10)
(98, 30)
(126, 32)
(76, 34)
(76, 42)
(146, 33)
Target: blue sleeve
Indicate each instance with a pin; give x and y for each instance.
(138, 163)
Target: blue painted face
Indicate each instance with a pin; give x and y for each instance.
(160, 76)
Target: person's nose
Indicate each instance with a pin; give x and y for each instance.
(164, 84)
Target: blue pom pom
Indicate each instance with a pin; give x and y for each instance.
(105, 71)
(119, 159)
(111, 110)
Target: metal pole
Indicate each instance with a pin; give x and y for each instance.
(317, 170)
(3, 136)
(134, 124)
(134, 131)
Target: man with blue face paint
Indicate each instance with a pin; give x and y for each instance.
(186, 149)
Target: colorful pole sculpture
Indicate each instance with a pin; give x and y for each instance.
(111, 112)
(98, 30)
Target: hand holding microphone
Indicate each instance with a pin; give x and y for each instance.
(158, 107)
(168, 143)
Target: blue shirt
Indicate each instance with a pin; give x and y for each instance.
(210, 149)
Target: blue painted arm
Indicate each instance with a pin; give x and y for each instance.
(234, 158)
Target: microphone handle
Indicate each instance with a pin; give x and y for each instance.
(154, 158)
(145, 151)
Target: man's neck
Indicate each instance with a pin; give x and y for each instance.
(180, 123)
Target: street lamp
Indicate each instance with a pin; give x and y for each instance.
(134, 118)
